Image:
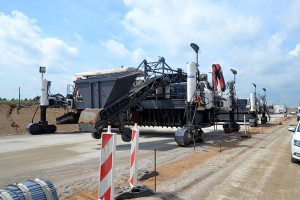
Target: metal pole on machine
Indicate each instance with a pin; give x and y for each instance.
(186, 135)
(192, 85)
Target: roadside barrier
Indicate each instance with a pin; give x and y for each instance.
(134, 156)
(34, 189)
(108, 153)
(107, 167)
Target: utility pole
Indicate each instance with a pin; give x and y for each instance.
(19, 106)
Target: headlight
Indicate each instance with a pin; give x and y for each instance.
(297, 143)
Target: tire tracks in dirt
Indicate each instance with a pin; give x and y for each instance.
(207, 176)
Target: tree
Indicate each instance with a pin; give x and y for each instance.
(3, 99)
(37, 98)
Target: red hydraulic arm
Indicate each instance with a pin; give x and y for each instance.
(218, 75)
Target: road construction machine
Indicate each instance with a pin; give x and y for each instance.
(154, 94)
(258, 106)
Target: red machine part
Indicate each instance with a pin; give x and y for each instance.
(218, 77)
(198, 101)
(76, 88)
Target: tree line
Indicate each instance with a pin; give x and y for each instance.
(22, 101)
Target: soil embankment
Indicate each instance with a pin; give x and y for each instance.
(12, 123)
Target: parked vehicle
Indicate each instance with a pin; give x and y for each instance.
(295, 144)
(298, 113)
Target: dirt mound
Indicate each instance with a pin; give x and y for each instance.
(12, 123)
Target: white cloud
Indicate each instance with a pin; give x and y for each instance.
(121, 51)
(266, 64)
(290, 21)
(252, 44)
(295, 52)
(175, 24)
(21, 44)
(23, 49)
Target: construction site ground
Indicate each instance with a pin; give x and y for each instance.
(246, 168)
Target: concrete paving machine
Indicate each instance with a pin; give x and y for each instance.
(204, 103)
(153, 94)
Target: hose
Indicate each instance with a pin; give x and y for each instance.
(34, 113)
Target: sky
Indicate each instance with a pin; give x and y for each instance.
(260, 39)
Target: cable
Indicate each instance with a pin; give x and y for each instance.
(34, 113)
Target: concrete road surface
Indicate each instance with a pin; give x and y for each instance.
(257, 168)
(70, 160)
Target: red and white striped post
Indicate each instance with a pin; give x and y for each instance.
(134, 156)
(107, 168)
